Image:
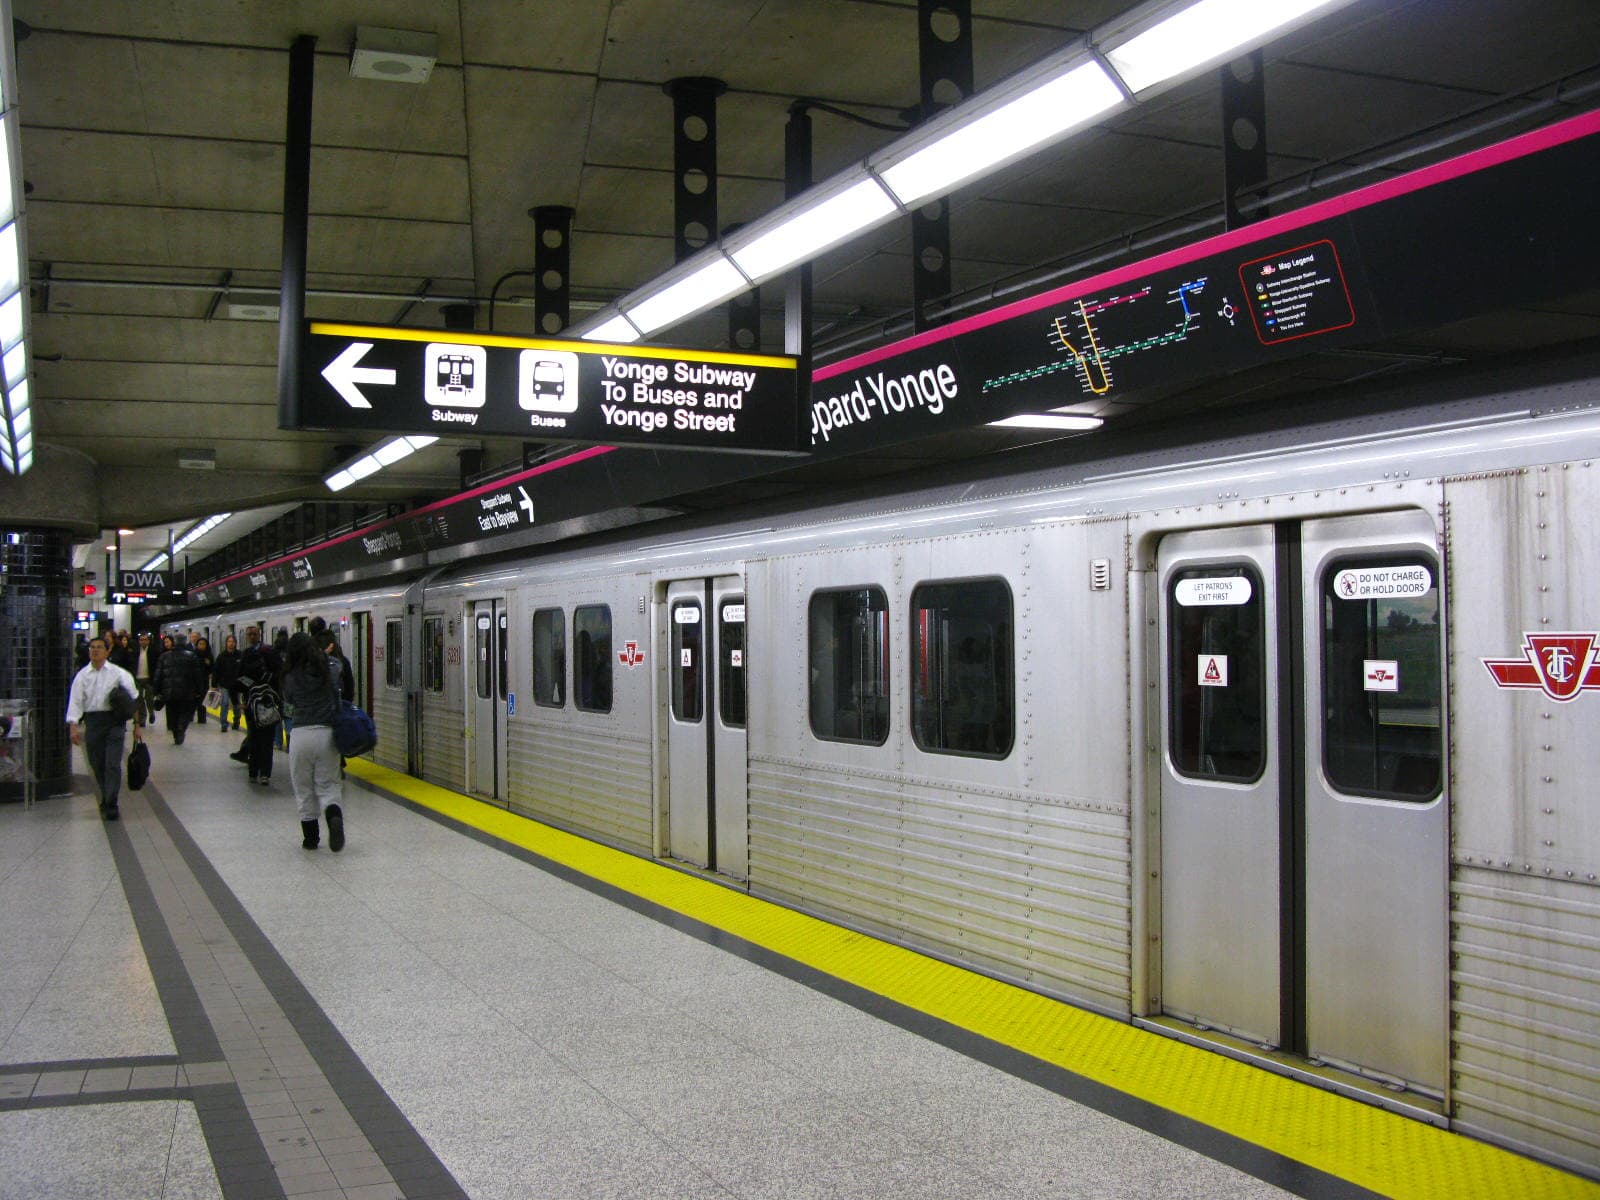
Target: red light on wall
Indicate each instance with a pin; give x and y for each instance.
(88, 589)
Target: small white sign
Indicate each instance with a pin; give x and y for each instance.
(1213, 670)
(736, 658)
(547, 381)
(454, 375)
(686, 657)
(1224, 589)
(733, 614)
(1381, 674)
(1383, 583)
(687, 614)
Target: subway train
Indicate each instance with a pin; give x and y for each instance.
(1279, 742)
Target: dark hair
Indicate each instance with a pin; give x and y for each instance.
(317, 625)
(304, 655)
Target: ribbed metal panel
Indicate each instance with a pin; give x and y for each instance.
(443, 748)
(1526, 1004)
(586, 777)
(389, 715)
(1022, 887)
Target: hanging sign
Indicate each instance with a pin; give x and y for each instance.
(384, 379)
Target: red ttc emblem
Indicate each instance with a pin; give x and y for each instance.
(630, 655)
(1559, 664)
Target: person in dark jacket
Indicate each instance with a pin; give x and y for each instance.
(123, 654)
(312, 690)
(225, 675)
(181, 681)
(258, 672)
(202, 651)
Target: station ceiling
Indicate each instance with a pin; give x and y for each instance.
(152, 143)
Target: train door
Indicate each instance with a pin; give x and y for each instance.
(1303, 835)
(487, 698)
(360, 656)
(707, 796)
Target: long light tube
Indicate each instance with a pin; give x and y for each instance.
(1042, 104)
(1203, 33)
(16, 423)
(711, 283)
(385, 454)
(975, 146)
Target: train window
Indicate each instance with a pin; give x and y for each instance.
(688, 646)
(1216, 672)
(1381, 677)
(482, 632)
(391, 653)
(549, 657)
(848, 654)
(962, 690)
(730, 660)
(501, 641)
(433, 653)
(591, 657)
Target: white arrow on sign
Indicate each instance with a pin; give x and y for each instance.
(343, 374)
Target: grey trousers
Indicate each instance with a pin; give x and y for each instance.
(104, 738)
(314, 768)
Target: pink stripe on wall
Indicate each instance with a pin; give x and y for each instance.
(1558, 134)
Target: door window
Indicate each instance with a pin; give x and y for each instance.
(501, 642)
(1381, 677)
(1216, 673)
(687, 638)
(731, 661)
(482, 630)
(591, 668)
(433, 653)
(392, 642)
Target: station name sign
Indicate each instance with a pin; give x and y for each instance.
(384, 379)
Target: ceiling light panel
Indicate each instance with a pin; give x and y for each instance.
(710, 283)
(1200, 34)
(800, 231)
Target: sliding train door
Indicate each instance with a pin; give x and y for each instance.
(488, 697)
(707, 799)
(1303, 820)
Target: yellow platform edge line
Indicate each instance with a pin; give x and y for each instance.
(1366, 1145)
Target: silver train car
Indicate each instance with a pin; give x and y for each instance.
(1282, 745)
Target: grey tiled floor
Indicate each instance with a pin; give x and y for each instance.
(541, 1040)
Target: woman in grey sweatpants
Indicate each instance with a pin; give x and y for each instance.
(311, 691)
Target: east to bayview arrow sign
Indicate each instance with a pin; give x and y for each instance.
(383, 379)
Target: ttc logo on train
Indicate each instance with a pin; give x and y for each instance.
(1559, 664)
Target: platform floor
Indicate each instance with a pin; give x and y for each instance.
(191, 1005)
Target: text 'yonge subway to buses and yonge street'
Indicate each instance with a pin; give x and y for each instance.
(640, 395)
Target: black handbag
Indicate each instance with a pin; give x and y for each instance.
(138, 765)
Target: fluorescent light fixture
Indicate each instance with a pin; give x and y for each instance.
(1203, 33)
(16, 364)
(1061, 422)
(965, 146)
(11, 321)
(711, 283)
(617, 329)
(21, 422)
(421, 440)
(10, 263)
(802, 230)
(125, 532)
(362, 467)
(8, 195)
(339, 480)
(392, 452)
(17, 396)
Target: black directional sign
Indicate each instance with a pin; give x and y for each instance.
(380, 379)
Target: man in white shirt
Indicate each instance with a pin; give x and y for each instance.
(94, 726)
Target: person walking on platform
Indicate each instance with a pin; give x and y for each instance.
(225, 676)
(144, 672)
(123, 654)
(202, 651)
(97, 720)
(312, 690)
(258, 681)
(179, 679)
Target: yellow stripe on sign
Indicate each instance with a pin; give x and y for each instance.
(1366, 1145)
(389, 333)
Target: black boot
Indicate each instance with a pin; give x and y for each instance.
(312, 835)
(335, 827)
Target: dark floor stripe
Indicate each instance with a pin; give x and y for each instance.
(393, 1137)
